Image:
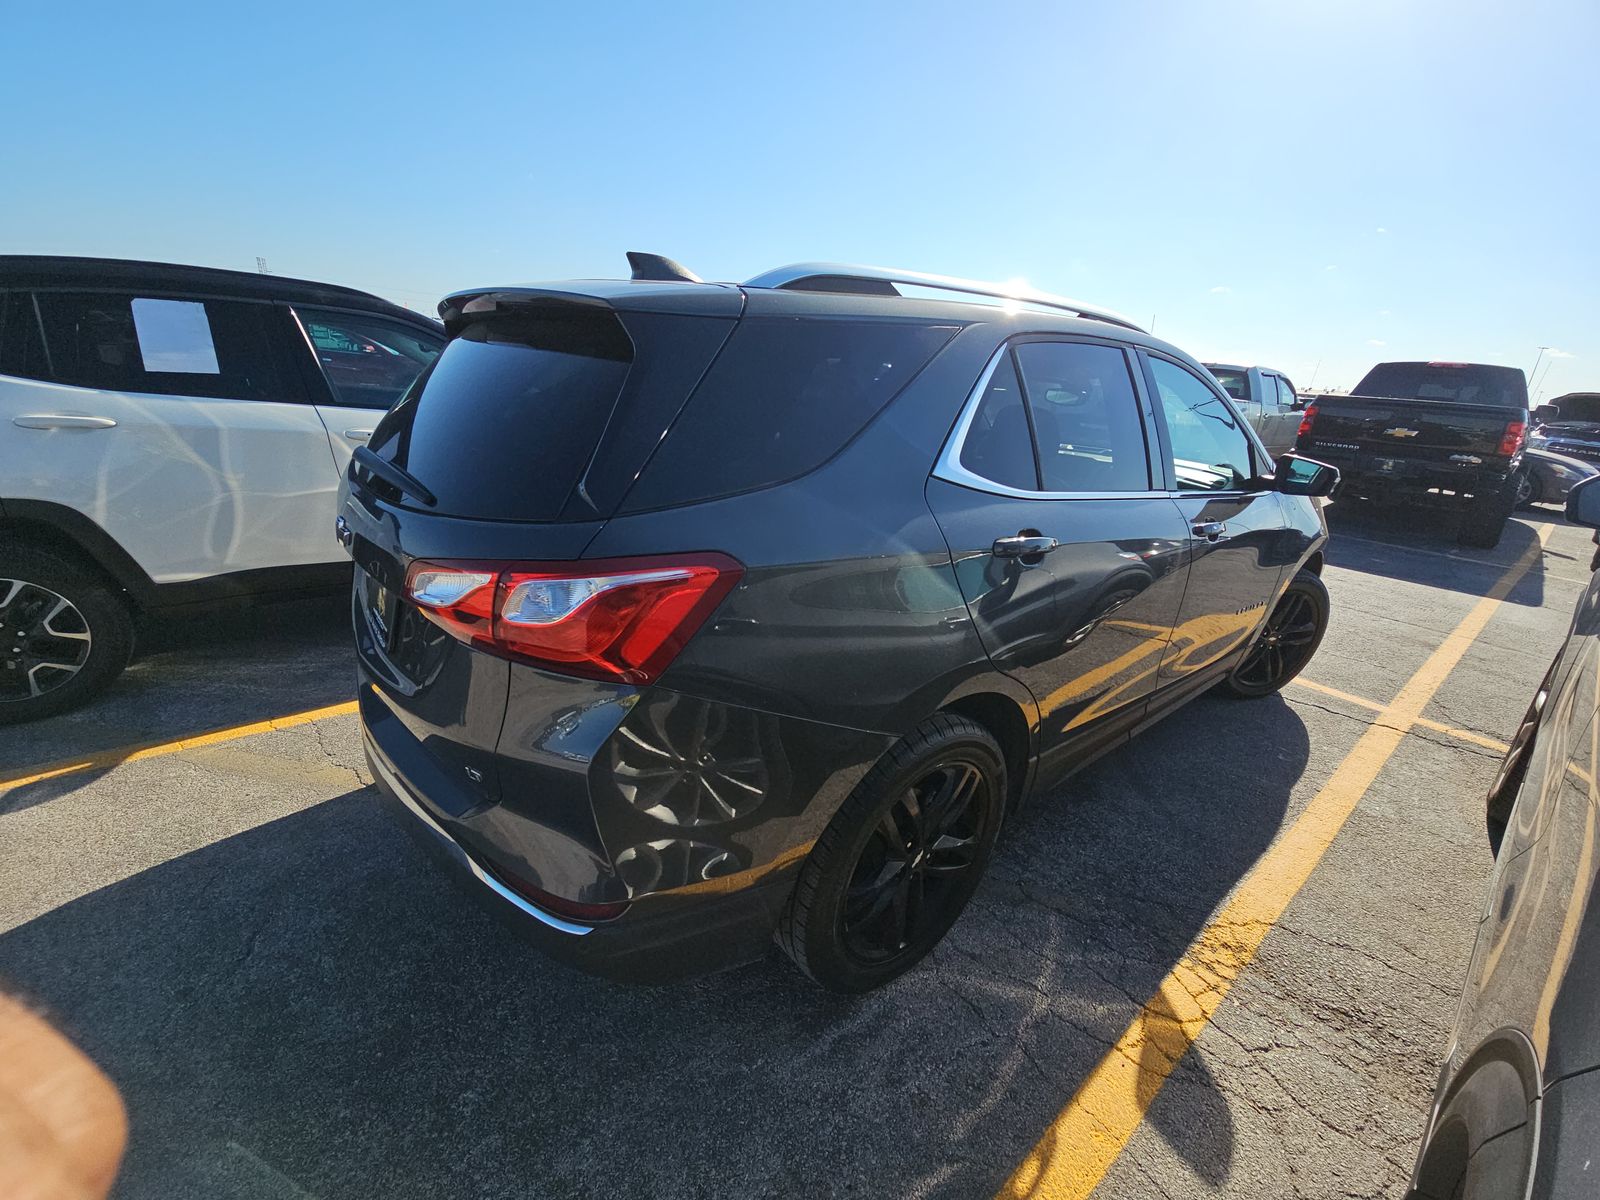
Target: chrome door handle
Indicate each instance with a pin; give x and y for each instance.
(358, 435)
(1210, 530)
(62, 421)
(1023, 546)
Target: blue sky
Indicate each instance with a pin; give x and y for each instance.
(1290, 183)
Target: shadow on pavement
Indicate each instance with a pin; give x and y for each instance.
(311, 1008)
(193, 674)
(1417, 544)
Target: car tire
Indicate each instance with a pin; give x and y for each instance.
(1529, 490)
(891, 873)
(1484, 521)
(64, 634)
(1287, 641)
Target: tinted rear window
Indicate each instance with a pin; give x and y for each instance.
(1232, 382)
(504, 422)
(783, 397)
(1466, 384)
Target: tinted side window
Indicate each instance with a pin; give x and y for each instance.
(998, 446)
(783, 397)
(1210, 449)
(21, 344)
(368, 361)
(1269, 391)
(1085, 417)
(1286, 396)
(161, 345)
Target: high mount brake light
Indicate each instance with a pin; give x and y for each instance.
(616, 619)
(1511, 440)
(1308, 418)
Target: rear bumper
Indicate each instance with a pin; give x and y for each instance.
(1369, 473)
(657, 939)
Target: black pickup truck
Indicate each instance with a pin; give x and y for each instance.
(1437, 431)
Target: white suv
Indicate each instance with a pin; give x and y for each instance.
(172, 436)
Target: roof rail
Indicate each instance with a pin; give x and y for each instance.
(879, 281)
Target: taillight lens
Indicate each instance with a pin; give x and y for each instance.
(1308, 418)
(619, 619)
(1511, 440)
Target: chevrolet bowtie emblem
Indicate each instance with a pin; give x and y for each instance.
(1399, 431)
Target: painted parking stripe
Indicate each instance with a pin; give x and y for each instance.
(1080, 1145)
(1465, 735)
(101, 759)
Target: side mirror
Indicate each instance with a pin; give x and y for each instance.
(1545, 413)
(1296, 476)
(1583, 503)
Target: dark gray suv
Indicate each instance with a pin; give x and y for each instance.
(691, 614)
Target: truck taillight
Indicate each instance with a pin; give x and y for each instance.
(617, 619)
(1307, 419)
(1511, 440)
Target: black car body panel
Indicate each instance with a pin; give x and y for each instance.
(869, 598)
(1516, 1098)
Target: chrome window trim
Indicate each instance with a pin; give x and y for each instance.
(949, 468)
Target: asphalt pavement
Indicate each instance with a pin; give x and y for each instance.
(296, 1003)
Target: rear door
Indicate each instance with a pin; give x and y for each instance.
(174, 423)
(364, 364)
(1055, 445)
(1234, 531)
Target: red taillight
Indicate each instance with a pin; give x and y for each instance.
(1511, 440)
(1307, 419)
(620, 619)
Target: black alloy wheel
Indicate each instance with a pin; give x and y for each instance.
(900, 859)
(1287, 641)
(44, 640)
(911, 869)
(64, 634)
(1529, 490)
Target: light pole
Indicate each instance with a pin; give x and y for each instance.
(1535, 370)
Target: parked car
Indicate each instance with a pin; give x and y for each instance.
(174, 435)
(1268, 401)
(689, 613)
(1517, 1109)
(1569, 425)
(1451, 432)
(1546, 478)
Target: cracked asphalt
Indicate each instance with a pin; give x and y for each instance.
(295, 1003)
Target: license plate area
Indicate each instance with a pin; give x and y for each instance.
(382, 606)
(1385, 466)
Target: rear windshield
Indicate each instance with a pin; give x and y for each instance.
(504, 422)
(783, 397)
(1465, 383)
(1232, 381)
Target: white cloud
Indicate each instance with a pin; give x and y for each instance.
(1376, 342)
(1381, 229)
(1554, 353)
(1330, 268)
(1221, 290)
(1383, 312)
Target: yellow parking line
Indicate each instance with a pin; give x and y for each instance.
(1465, 735)
(121, 754)
(1079, 1146)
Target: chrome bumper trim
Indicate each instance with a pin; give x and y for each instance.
(466, 860)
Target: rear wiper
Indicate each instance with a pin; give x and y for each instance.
(394, 476)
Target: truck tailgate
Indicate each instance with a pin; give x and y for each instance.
(1425, 430)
